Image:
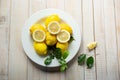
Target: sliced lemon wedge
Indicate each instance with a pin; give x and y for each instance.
(63, 36)
(53, 27)
(39, 35)
(92, 45)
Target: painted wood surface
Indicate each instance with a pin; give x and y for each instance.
(99, 20)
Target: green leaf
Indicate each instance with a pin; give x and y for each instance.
(47, 61)
(62, 61)
(81, 59)
(58, 53)
(71, 39)
(90, 62)
(63, 64)
(63, 67)
(65, 54)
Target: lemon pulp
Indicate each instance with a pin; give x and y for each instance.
(39, 35)
(54, 27)
(63, 36)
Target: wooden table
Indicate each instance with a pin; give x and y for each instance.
(99, 20)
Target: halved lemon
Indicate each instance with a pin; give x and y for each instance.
(53, 27)
(39, 35)
(63, 36)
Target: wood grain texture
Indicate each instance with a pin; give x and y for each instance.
(17, 57)
(4, 53)
(110, 41)
(99, 27)
(99, 20)
(4, 38)
(88, 36)
(117, 19)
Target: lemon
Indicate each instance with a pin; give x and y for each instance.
(63, 36)
(53, 27)
(40, 48)
(62, 46)
(36, 27)
(66, 27)
(50, 39)
(39, 35)
(53, 17)
(92, 45)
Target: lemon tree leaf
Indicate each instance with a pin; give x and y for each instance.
(65, 54)
(47, 61)
(58, 53)
(81, 59)
(90, 62)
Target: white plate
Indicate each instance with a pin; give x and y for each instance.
(28, 43)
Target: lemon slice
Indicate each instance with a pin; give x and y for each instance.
(39, 35)
(54, 27)
(63, 36)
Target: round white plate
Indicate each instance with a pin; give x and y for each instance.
(28, 43)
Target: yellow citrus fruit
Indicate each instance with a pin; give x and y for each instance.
(62, 46)
(66, 27)
(63, 36)
(53, 17)
(50, 39)
(39, 35)
(40, 48)
(53, 27)
(92, 45)
(36, 27)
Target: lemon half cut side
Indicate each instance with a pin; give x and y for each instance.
(54, 27)
(39, 35)
(63, 36)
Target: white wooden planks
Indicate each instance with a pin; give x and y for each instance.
(110, 41)
(88, 35)
(4, 38)
(117, 19)
(17, 57)
(100, 38)
(98, 21)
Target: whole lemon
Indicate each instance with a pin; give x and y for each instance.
(53, 17)
(36, 27)
(40, 48)
(65, 26)
(50, 39)
(62, 46)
